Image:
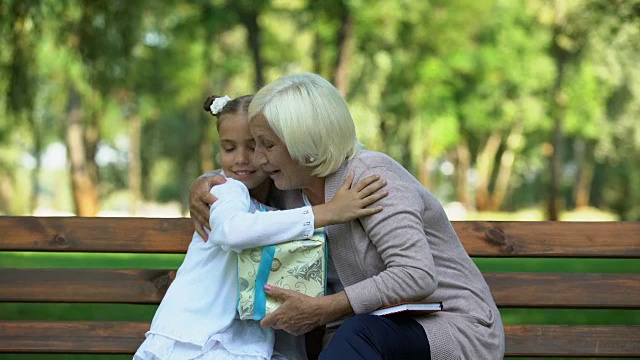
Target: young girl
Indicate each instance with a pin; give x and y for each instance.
(197, 317)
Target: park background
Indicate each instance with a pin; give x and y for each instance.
(504, 109)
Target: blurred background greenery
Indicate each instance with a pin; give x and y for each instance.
(504, 109)
(495, 105)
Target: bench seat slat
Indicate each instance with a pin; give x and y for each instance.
(92, 234)
(67, 337)
(84, 285)
(124, 338)
(550, 239)
(555, 290)
(565, 290)
(604, 240)
(480, 238)
(573, 340)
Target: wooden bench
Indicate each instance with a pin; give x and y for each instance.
(512, 288)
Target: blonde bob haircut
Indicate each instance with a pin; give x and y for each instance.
(311, 117)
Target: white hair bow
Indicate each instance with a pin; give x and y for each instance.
(218, 104)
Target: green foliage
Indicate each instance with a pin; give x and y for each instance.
(427, 81)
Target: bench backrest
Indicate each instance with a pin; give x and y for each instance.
(512, 288)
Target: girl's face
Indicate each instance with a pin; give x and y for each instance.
(272, 155)
(236, 151)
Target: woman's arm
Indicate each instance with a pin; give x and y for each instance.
(200, 199)
(401, 239)
(398, 235)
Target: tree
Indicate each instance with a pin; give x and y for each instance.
(102, 35)
(24, 18)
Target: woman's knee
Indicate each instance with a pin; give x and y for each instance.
(359, 321)
(377, 337)
(354, 339)
(359, 327)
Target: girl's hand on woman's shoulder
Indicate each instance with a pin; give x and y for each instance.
(353, 201)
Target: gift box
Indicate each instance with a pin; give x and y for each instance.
(299, 265)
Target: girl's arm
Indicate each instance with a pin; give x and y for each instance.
(235, 228)
(351, 203)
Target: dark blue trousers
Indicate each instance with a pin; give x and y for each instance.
(373, 337)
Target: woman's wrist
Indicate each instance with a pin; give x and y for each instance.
(335, 307)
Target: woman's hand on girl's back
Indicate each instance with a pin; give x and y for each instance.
(199, 200)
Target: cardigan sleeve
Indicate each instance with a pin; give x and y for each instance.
(235, 228)
(398, 234)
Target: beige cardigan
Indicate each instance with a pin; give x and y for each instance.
(410, 252)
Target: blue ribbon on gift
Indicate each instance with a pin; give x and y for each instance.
(264, 269)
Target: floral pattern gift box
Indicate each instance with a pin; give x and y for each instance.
(299, 265)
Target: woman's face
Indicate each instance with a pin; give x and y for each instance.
(236, 150)
(272, 155)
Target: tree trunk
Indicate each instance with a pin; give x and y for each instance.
(205, 120)
(344, 44)
(37, 150)
(424, 171)
(558, 106)
(37, 155)
(21, 86)
(556, 164)
(135, 163)
(316, 54)
(505, 168)
(6, 190)
(485, 163)
(463, 158)
(80, 140)
(250, 21)
(186, 166)
(207, 162)
(584, 176)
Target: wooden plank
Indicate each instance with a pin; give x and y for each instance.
(84, 285)
(85, 234)
(550, 239)
(540, 290)
(125, 337)
(565, 290)
(572, 340)
(480, 238)
(82, 337)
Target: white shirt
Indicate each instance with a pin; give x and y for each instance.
(200, 304)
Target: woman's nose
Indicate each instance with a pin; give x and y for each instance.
(259, 158)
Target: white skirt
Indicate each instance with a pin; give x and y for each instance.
(243, 340)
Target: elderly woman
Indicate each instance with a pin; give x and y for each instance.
(306, 142)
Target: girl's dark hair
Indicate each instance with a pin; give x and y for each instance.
(238, 105)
